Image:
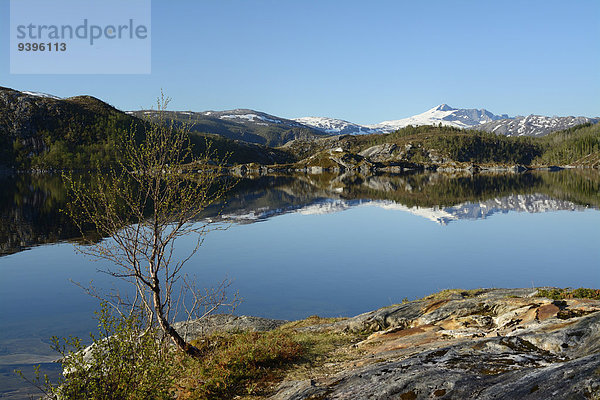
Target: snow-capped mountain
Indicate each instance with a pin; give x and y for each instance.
(533, 125)
(442, 114)
(335, 126)
(466, 118)
(241, 124)
(242, 115)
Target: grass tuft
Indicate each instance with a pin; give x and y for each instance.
(448, 293)
(249, 364)
(569, 293)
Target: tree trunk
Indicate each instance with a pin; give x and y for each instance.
(166, 326)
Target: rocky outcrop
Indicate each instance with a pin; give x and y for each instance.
(382, 152)
(483, 344)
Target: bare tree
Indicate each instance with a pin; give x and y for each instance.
(143, 206)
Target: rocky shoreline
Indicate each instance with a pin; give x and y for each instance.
(477, 344)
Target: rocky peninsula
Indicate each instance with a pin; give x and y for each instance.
(475, 344)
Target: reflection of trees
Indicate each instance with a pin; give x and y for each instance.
(429, 190)
(581, 186)
(434, 189)
(30, 212)
(29, 205)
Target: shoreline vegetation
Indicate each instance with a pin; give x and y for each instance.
(508, 343)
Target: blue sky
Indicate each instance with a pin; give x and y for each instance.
(363, 61)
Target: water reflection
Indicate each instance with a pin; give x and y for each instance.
(30, 205)
(30, 212)
(314, 260)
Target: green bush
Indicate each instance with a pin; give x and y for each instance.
(125, 362)
(568, 293)
(128, 363)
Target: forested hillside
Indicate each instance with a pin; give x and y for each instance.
(443, 146)
(576, 146)
(43, 133)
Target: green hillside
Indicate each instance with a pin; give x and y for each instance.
(442, 146)
(40, 132)
(83, 132)
(575, 146)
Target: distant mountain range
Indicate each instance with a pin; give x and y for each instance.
(39, 130)
(442, 114)
(262, 128)
(241, 124)
(480, 119)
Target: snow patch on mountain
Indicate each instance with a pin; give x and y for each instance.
(39, 94)
(533, 125)
(250, 117)
(335, 126)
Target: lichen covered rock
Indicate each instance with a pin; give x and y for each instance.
(484, 344)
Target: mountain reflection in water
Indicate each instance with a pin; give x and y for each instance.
(30, 205)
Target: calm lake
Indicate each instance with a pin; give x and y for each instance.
(312, 244)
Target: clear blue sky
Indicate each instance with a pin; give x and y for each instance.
(364, 61)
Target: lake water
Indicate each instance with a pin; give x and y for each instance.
(313, 244)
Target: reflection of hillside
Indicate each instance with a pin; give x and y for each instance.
(433, 189)
(30, 205)
(438, 197)
(30, 212)
(429, 190)
(580, 186)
